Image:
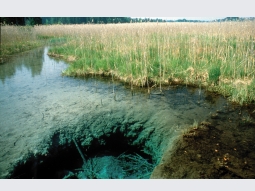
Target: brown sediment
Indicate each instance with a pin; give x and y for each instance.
(221, 147)
(56, 55)
(69, 58)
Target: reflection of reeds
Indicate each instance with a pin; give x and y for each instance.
(216, 55)
(141, 53)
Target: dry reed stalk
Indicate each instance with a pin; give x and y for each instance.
(143, 52)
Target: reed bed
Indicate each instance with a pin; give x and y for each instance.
(218, 56)
(15, 39)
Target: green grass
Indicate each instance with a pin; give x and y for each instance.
(221, 62)
(10, 49)
(16, 39)
(218, 56)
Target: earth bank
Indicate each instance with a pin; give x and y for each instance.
(220, 147)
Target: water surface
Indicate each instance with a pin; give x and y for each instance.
(36, 101)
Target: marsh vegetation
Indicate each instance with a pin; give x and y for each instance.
(40, 119)
(218, 56)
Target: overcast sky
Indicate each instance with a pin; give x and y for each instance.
(189, 9)
(187, 18)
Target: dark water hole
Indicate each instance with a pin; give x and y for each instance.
(65, 161)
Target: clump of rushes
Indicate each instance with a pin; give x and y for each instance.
(219, 56)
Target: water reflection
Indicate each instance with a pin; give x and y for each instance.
(31, 61)
(36, 101)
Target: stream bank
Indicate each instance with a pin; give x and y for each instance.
(221, 147)
(42, 113)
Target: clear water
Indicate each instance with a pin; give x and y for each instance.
(36, 100)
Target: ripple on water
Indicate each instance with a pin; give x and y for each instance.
(36, 102)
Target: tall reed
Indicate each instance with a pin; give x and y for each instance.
(16, 39)
(219, 56)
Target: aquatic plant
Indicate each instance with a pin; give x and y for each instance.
(247, 120)
(110, 167)
(123, 166)
(195, 124)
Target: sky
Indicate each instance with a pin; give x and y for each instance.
(187, 18)
(199, 9)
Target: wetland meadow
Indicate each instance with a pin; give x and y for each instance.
(128, 101)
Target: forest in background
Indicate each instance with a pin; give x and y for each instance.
(97, 20)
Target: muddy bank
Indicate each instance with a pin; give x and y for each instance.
(220, 147)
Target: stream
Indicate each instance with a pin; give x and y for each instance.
(53, 126)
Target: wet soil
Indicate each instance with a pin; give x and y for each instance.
(220, 147)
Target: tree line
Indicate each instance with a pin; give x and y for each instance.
(96, 20)
(21, 20)
(84, 20)
(72, 20)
